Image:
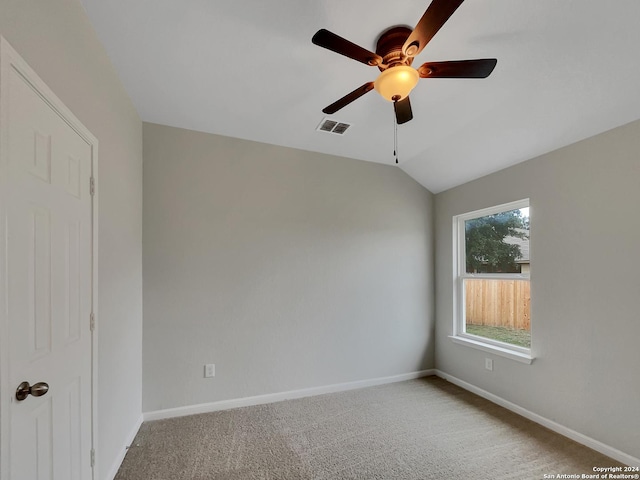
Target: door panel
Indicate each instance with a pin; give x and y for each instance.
(72, 281)
(38, 245)
(67, 420)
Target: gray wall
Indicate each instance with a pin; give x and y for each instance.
(285, 268)
(585, 286)
(57, 41)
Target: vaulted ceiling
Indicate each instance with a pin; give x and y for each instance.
(567, 70)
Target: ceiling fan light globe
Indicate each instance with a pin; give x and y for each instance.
(396, 82)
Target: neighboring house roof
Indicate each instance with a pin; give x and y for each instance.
(523, 243)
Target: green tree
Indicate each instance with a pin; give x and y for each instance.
(486, 250)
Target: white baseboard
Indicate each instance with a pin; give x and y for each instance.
(129, 440)
(277, 397)
(545, 422)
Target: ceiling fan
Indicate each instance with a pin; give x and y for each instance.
(395, 51)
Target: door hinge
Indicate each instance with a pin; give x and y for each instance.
(93, 458)
(92, 186)
(92, 322)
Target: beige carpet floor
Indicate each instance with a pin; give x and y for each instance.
(419, 429)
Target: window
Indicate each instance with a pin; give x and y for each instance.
(492, 299)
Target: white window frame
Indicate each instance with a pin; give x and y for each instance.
(460, 274)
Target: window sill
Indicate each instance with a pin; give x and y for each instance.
(485, 347)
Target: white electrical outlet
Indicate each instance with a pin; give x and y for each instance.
(488, 364)
(210, 370)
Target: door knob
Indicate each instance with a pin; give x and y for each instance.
(37, 390)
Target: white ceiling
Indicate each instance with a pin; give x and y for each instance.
(567, 69)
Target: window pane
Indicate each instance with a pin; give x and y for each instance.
(498, 243)
(499, 310)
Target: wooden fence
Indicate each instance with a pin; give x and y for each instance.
(498, 303)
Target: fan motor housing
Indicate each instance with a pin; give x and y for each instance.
(389, 46)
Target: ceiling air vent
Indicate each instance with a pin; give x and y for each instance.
(333, 126)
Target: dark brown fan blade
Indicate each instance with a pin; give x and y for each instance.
(403, 111)
(348, 98)
(331, 41)
(436, 15)
(480, 68)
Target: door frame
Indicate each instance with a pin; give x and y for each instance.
(11, 60)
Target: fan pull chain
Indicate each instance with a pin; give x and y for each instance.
(395, 137)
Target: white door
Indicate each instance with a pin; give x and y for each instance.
(47, 169)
